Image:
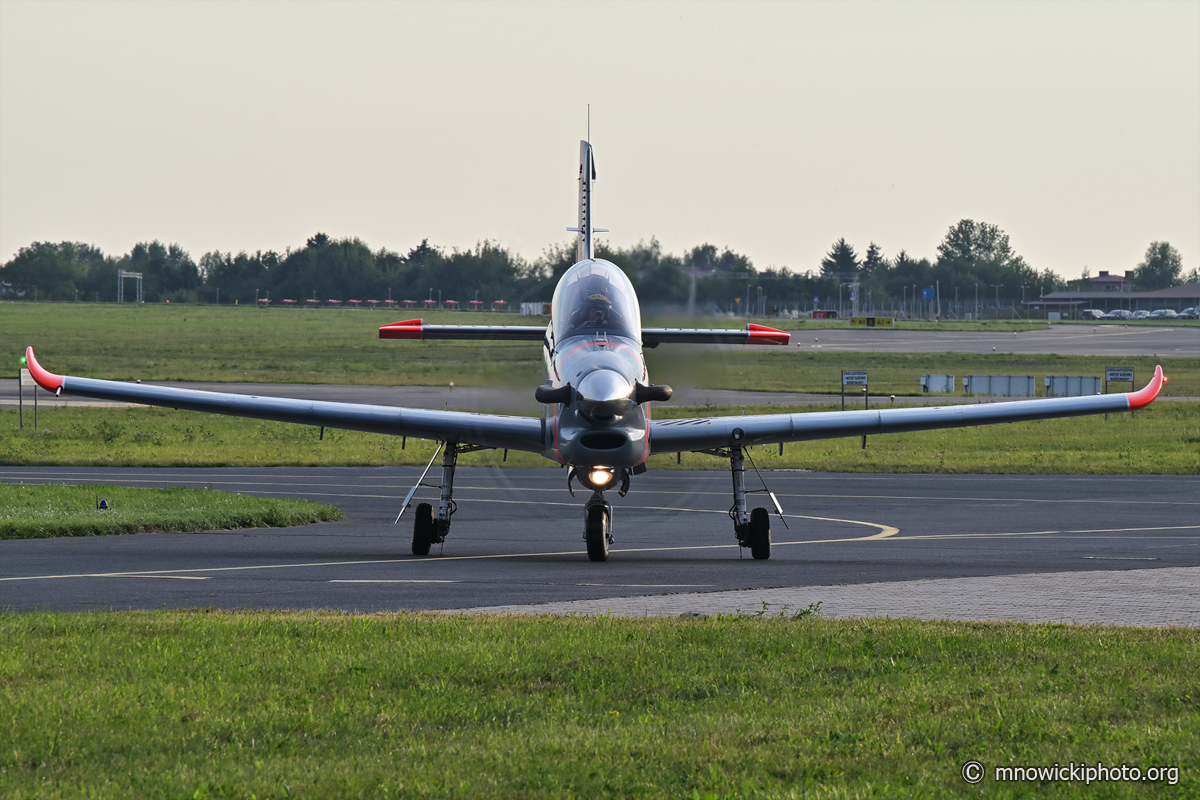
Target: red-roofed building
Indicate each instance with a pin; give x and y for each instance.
(1112, 283)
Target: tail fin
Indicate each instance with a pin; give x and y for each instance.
(587, 174)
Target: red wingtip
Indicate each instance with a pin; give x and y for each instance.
(47, 380)
(408, 329)
(761, 334)
(1144, 397)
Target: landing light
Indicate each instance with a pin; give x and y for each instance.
(600, 477)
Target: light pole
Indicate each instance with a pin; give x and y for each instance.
(997, 286)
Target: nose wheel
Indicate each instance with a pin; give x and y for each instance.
(597, 527)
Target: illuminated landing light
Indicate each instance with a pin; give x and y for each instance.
(600, 477)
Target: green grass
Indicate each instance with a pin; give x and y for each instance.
(39, 511)
(206, 343)
(206, 704)
(1162, 439)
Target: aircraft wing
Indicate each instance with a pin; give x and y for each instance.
(417, 329)
(753, 334)
(651, 337)
(488, 430)
(707, 433)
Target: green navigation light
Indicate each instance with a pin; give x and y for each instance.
(24, 360)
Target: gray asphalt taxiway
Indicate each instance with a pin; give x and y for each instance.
(517, 542)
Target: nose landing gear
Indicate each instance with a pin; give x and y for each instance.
(597, 527)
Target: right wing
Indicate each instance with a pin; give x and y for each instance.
(710, 433)
(651, 337)
(753, 334)
(487, 430)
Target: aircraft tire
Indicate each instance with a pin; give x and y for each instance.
(422, 529)
(595, 532)
(760, 534)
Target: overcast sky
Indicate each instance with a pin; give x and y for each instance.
(773, 129)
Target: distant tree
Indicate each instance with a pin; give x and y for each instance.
(52, 271)
(840, 262)
(1160, 267)
(872, 260)
(977, 252)
(320, 240)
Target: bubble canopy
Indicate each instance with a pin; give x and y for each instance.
(595, 296)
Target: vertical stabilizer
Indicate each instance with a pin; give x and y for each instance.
(587, 174)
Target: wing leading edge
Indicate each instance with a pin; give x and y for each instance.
(675, 435)
(487, 430)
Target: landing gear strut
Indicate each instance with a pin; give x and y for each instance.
(430, 528)
(752, 528)
(597, 527)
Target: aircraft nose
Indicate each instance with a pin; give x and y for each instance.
(604, 393)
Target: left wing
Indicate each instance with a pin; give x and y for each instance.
(707, 433)
(487, 430)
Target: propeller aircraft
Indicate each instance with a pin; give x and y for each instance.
(596, 402)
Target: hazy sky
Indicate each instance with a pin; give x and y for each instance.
(770, 128)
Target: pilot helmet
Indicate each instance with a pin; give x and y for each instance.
(599, 307)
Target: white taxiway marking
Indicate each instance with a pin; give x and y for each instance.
(397, 580)
(886, 532)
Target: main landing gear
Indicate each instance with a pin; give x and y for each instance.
(430, 528)
(752, 528)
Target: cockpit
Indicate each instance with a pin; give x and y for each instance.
(595, 296)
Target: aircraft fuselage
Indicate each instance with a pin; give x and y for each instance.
(593, 356)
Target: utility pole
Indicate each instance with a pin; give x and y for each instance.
(997, 286)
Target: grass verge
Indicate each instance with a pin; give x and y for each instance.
(1164, 439)
(270, 705)
(34, 512)
(160, 343)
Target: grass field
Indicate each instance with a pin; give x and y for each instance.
(1162, 439)
(206, 343)
(32, 512)
(207, 704)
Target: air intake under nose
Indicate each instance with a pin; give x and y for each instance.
(603, 441)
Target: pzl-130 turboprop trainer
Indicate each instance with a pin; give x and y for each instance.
(596, 402)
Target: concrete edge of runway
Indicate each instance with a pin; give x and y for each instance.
(1152, 598)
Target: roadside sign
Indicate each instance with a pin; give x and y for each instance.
(854, 377)
(872, 322)
(1118, 374)
(816, 298)
(927, 294)
(27, 379)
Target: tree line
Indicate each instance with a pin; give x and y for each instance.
(974, 258)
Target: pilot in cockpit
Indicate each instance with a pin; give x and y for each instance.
(599, 311)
